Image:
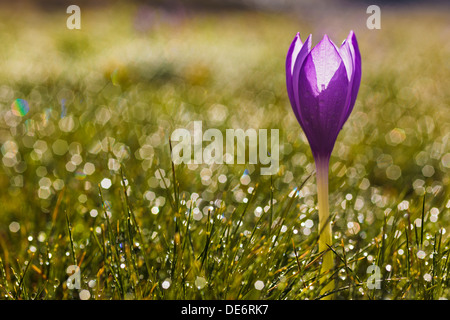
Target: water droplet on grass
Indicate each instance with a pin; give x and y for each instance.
(166, 284)
(14, 226)
(106, 183)
(200, 282)
(85, 294)
(259, 285)
(421, 254)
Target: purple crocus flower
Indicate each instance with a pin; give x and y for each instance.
(322, 85)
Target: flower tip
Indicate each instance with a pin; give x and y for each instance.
(351, 35)
(326, 42)
(308, 42)
(327, 39)
(298, 38)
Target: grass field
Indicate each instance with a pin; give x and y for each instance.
(87, 179)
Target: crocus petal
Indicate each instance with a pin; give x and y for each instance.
(323, 89)
(326, 61)
(357, 70)
(347, 58)
(304, 51)
(351, 57)
(294, 60)
(293, 51)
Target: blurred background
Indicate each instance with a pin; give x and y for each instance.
(78, 105)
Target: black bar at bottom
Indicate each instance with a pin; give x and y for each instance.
(213, 309)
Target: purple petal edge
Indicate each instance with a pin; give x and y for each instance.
(289, 57)
(300, 59)
(352, 46)
(357, 70)
(295, 57)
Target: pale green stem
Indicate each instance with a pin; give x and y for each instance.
(325, 237)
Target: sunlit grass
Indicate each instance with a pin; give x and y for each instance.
(87, 177)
